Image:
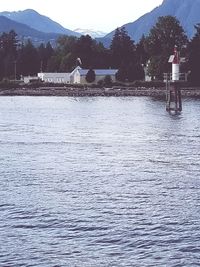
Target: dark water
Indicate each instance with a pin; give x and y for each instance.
(99, 182)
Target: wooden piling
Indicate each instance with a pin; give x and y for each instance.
(173, 97)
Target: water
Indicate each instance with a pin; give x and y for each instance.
(99, 182)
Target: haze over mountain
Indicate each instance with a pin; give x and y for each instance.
(24, 32)
(186, 11)
(37, 21)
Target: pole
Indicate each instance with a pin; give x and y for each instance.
(180, 100)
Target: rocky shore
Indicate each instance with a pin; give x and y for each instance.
(81, 92)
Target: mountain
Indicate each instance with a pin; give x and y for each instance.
(186, 11)
(37, 21)
(92, 33)
(24, 32)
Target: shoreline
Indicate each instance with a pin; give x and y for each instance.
(86, 92)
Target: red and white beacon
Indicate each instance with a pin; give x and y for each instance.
(175, 60)
(176, 65)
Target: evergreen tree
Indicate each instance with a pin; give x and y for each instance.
(123, 57)
(42, 57)
(141, 52)
(122, 49)
(194, 57)
(101, 56)
(53, 64)
(121, 75)
(8, 54)
(160, 44)
(44, 54)
(29, 62)
(85, 50)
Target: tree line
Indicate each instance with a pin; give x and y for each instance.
(151, 53)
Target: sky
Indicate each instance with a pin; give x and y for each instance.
(103, 15)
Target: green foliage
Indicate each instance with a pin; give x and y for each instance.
(90, 76)
(125, 58)
(157, 66)
(64, 57)
(121, 75)
(141, 52)
(130, 73)
(8, 54)
(85, 50)
(135, 72)
(44, 54)
(152, 51)
(160, 44)
(28, 61)
(194, 57)
(107, 80)
(122, 49)
(100, 83)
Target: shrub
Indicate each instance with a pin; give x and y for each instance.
(90, 76)
(107, 80)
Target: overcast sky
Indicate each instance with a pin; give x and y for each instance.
(104, 15)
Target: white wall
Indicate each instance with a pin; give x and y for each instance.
(75, 77)
(28, 79)
(54, 77)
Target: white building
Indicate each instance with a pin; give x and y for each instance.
(54, 77)
(79, 75)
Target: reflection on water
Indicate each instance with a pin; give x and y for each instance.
(99, 182)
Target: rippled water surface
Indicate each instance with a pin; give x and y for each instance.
(99, 182)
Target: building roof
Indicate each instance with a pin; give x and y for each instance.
(53, 74)
(77, 68)
(99, 72)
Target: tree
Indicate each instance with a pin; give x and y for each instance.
(9, 43)
(141, 52)
(66, 53)
(53, 64)
(122, 49)
(194, 57)
(67, 63)
(44, 54)
(101, 56)
(29, 62)
(91, 53)
(160, 44)
(124, 57)
(121, 75)
(85, 50)
(130, 73)
(42, 57)
(8, 53)
(135, 72)
(90, 76)
(107, 80)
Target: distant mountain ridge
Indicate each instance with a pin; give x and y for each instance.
(186, 11)
(24, 32)
(42, 27)
(38, 22)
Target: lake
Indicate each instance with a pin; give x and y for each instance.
(99, 182)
